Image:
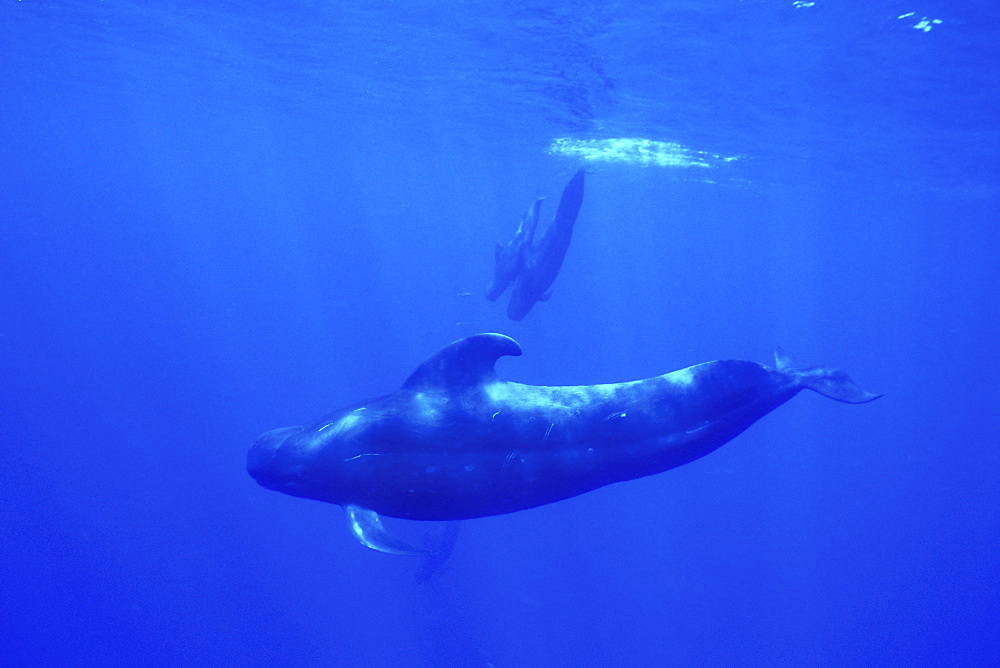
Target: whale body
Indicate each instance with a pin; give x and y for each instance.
(532, 266)
(510, 256)
(457, 442)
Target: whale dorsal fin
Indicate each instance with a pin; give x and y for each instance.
(463, 363)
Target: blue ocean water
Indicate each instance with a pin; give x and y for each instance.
(219, 218)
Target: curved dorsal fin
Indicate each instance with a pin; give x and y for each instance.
(462, 363)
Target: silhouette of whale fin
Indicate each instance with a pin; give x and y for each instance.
(441, 546)
(463, 363)
(829, 382)
(367, 527)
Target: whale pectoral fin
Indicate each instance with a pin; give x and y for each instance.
(367, 527)
(441, 546)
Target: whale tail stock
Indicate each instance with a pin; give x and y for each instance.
(829, 382)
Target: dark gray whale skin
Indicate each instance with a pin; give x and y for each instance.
(543, 259)
(510, 257)
(456, 442)
(531, 266)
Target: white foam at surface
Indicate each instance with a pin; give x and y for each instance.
(637, 151)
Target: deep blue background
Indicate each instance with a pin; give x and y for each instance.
(219, 218)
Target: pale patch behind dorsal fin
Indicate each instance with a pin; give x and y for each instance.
(463, 363)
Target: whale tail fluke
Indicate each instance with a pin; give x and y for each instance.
(832, 383)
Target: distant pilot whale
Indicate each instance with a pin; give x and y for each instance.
(510, 257)
(456, 442)
(531, 266)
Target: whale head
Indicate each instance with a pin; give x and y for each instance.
(263, 462)
(312, 462)
(343, 459)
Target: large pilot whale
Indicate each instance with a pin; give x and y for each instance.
(457, 442)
